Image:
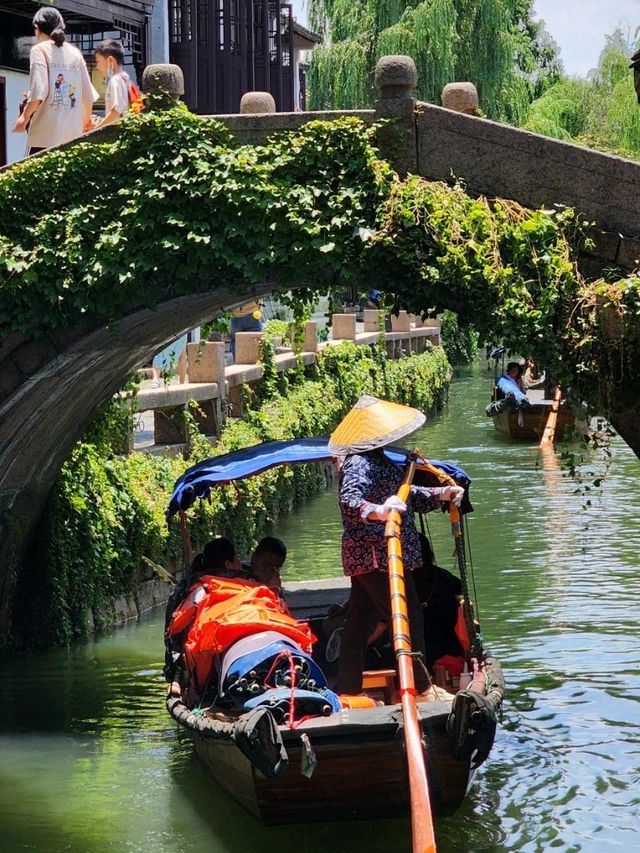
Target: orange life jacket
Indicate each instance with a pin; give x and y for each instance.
(219, 624)
(207, 590)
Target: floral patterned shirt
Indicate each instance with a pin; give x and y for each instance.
(370, 478)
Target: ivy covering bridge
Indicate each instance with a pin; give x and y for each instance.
(173, 207)
(176, 216)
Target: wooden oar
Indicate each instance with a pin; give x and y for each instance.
(549, 432)
(421, 818)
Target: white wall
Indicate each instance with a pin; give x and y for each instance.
(158, 33)
(17, 85)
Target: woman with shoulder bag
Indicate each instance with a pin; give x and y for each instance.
(61, 94)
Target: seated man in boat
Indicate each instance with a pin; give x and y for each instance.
(266, 562)
(510, 385)
(438, 591)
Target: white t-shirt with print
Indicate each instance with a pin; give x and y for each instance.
(59, 78)
(117, 94)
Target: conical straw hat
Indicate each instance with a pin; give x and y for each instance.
(373, 423)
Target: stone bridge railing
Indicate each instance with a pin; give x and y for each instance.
(217, 387)
(452, 143)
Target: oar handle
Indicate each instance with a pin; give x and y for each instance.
(421, 819)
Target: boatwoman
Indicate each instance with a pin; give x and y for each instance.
(367, 494)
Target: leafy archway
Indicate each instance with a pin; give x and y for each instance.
(99, 231)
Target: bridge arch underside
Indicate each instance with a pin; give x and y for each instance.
(47, 414)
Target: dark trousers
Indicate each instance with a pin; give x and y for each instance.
(370, 598)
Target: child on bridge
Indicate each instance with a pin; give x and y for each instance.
(109, 60)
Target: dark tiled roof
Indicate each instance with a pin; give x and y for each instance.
(306, 34)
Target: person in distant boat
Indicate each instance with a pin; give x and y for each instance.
(510, 384)
(218, 557)
(367, 494)
(438, 591)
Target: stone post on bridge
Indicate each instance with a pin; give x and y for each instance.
(257, 103)
(396, 79)
(163, 85)
(461, 98)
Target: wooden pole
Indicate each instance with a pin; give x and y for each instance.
(421, 818)
(549, 432)
(187, 548)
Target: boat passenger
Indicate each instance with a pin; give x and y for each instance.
(367, 494)
(510, 383)
(266, 563)
(218, 557)
(531, 374)
(438, 591)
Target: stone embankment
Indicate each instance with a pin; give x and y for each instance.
(216, 386)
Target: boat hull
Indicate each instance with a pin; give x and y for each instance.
(528, 424)
(361, 771)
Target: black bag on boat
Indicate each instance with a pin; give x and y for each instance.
(257, 736)
(471, 726)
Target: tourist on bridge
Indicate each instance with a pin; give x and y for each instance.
(109, 60)
(58, 106)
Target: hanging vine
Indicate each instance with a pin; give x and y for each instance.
(173, 205)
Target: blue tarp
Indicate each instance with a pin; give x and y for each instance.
(220, 470)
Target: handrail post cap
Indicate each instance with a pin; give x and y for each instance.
(163, 79)
(257, 102)
(396, 76)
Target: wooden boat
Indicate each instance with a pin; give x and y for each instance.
(350, 764)
(528, 424)
(361, 765)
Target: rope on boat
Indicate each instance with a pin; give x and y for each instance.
(458, 538)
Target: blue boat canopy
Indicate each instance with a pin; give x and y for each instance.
(198, 481)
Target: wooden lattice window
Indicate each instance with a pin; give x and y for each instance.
(258, 28)
(180, 29)
(234, 27)
(219, 25)
(203, 22)
(274, 31)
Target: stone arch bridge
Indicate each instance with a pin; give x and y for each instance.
(49, 391)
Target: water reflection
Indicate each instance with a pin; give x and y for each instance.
(90, 761)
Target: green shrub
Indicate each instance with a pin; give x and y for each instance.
(459, 342)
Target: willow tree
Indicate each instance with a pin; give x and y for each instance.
(602, 111)
(494, 43)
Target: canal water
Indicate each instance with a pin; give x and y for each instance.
(90, 762)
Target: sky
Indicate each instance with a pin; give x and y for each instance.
(578, 26)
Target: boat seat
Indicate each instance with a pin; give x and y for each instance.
(382, 681)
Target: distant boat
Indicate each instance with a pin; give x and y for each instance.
(525, 420)
(527, 424)
(342, 761)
